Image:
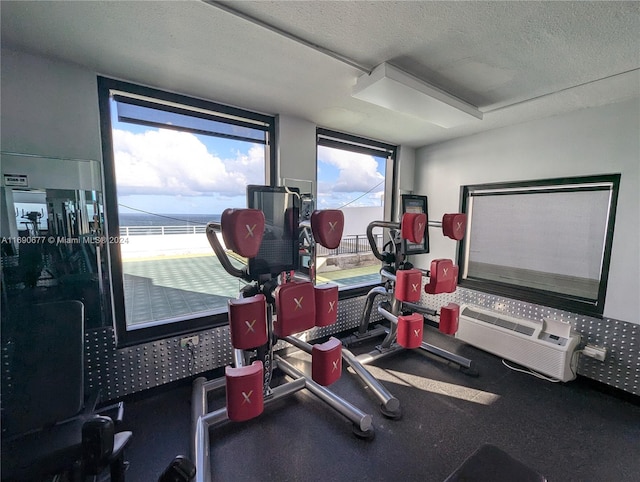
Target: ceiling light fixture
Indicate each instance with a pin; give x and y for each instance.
(396, 90)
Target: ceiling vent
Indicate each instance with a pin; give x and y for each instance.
(391, 88)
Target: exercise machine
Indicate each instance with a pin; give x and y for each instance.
(397, 301)
(50, 425)
(274, 305)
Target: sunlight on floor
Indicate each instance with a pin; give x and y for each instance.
(434, 386)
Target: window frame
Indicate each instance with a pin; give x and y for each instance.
(340, 140)
(171, 102)
(591, 307)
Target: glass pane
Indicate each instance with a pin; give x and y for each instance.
(170, 184)
(354, 183)
(551, 241)
(53, 248)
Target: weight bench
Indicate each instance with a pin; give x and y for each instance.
(267, 235)
(400, 301)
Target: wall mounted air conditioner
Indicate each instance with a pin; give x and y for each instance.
(546, 347)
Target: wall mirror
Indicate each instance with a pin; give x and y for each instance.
(52, 232)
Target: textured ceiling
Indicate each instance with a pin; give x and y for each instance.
(515, 61)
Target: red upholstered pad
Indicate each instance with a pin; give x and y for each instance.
(326, 362)
(327, 227)
(245, 399)
(295, 308)
(242, 230)
(326, 304)
(454, 225)
(443, 277)
(410, 330)
(413, 226)
(449, 316)
(248, 322)
(408, 285)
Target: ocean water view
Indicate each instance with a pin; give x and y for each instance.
(148, 219)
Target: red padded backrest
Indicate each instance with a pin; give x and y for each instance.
(327, 227)
(295, 308)
(413, 226)
(443, 277)
(248, 322)
(242, 230)
(454, 226)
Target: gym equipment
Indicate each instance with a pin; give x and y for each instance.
(400, 296)
(273, 306)
(48, 429)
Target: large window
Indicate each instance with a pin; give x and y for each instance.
(172, 164)
(354, 175)
(547, 242)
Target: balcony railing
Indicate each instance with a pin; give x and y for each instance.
(160, 230)
(350, 244)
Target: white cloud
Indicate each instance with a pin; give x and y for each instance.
(169, 162)
(357, 172)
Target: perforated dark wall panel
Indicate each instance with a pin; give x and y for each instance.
(621, 368)
(120, 372)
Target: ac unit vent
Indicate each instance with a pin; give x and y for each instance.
(502, 321)
(521, 341)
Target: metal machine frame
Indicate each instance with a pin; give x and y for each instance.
(202, 420)
(390, 308)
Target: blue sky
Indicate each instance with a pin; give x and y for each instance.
(170, 172)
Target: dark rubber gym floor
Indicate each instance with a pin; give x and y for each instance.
(567, 432)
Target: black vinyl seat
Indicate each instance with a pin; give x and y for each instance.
(47, 425)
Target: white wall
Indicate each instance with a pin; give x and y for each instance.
(50, 127)
(356, 220)
(600, 140)
(49, 108)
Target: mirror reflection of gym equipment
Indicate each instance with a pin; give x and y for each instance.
(53, 286)
(54, 289)
(53, 248)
